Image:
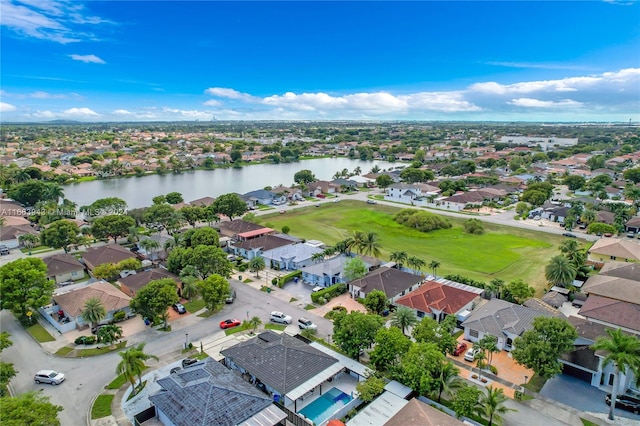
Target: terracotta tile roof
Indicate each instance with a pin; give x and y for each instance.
(438, 296)
(416, 413)
(63, 263)
(111, 253)
(111, 298)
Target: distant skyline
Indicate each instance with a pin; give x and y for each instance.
(94, 61)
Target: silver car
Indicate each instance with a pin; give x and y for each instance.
(49, 376)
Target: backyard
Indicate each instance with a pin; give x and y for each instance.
(501, 252)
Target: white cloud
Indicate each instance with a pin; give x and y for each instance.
(122, 112)
(533, 65)
(87, 59)
(68, 114)
(51, 20)
(222, 92)
(212, 102)
(537, 103)
(5, 107)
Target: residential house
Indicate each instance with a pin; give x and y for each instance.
(291, 256)
(288, 369)
(503, 320)
(266, 198)
(237, 226)
(408, 193)
(328, 271)
(202, 202)
(255, 247)
(633, 225)
(110, 253)
(608, 249)
(67, 307)
(292, 194)
(131, 284)
(322, 187)
(208, 393)
(393, 282)
(10, 235)
(346, 184)
(416, 412)
(63, 267)
(437, 299)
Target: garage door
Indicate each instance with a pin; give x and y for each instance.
(572, 371)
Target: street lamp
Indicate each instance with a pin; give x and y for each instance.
(524, 390)
(186, 340)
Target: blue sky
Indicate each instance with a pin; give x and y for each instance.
(165, 60)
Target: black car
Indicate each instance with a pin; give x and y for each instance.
(188, 361)
(625, 402)
(179, 308)
(569, 235)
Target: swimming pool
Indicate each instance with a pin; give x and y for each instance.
(327, 404)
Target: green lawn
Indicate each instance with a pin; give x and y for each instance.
(99, 351)
(278, 327)
(102, 406)
(501, 252)
(118, 382)
(194, 305)
(233, 330)
(40, 334)
(64, 351)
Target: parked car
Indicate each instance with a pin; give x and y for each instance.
(282, 212)
(229, 323)
(470, 355)
(179, 308)
(4, 250)
(175, 370)
(304, 324)
(625, 402)
(372, 202)
(569, 235)
(608, 234)
(317, 289)
(460, 348)
(49, 376)
(231, 297)
(188, 361)
(280, 317)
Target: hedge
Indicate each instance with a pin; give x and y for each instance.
(280, 282)
(329, 293)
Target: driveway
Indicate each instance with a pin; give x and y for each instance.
(581, 395)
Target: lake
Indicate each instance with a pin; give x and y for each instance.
(139, 191)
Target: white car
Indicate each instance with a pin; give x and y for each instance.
(49, 376)
(470, 355)
(317, 289)
(304, 324)
(280, 317)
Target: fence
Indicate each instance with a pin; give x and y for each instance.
(294, 418)
(47, 314)
(145, 415)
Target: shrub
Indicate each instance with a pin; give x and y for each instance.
(85, 340)
(493, 369)
(119, 316)
(243, 267)
(322, 300)
(465, 280)
(286, 278)
(421, 220)
(335, 311)
(329, 292)
(474, 226)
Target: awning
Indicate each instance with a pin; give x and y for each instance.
(351, 364)
(331, 371)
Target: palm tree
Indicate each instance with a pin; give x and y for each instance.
(28, 240)
(53, 192)
(317, 257)
(355, 241)
(371, 244)
(149, 245)
(93, 311)
(404, 318)
(189, 287)
(569, 246)
(489, 345)
(415, 263)
(132, 364)
(400, 257)
(254, 323)
(588, 216)
(492, 404)
(623, 351)
(448, 380)
(434, 265)
(257, 264)
(375, 169)
(357, 171)
(133, 234)
(108, 334)
(559, 271)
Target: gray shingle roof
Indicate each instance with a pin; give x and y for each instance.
(498, 316)
(208, 394)
(389, 280)
(279, 360)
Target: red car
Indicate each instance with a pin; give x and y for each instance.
(229, 323)
(460, 348)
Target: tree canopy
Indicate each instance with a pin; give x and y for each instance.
(230, 205)
(376, 302)
(355, 331)
(24, 286)
(304, 177)
(60, 234)
(390, 346)
(214, 290)
(153, 300)
(112, 226)
(206, 260)
(540, 348)
(31, 408)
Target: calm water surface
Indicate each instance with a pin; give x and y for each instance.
(139, 191)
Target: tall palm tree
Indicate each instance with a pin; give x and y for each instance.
(371, 244)
(132, 364)
(141, 357)
(93, 311)
(569, 246)
(355, 241)
(29, 240)
(588, 216)
(434, 265)
(415, 263)
(108, 334)
(399, 257)
(54, 192)
(133, 234)
(448, 379)
(404, 318)
(318, 257)
(492, 404)
(254, 323)
(623, 351)
(257, 264)
(559, 271)
(189, 287)
(149, 245)
(357, 171)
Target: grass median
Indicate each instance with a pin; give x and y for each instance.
(501, 252)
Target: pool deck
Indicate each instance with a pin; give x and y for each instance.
(346, 384)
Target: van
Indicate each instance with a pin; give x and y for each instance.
(4, 250)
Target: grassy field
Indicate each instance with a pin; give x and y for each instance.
(502, 252)
(102, 406)
(40, 334)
